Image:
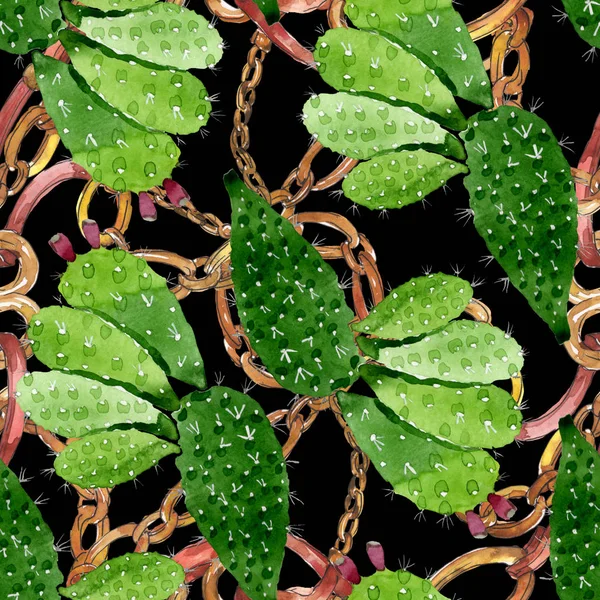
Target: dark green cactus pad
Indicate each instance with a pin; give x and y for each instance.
(28, 561)
(420, 305)
(270, 9)
(437, 32)
(156, 97)
(113, 149)
(363, 127)
(147, 576)
(525, 207)
(476, 416)
(109, 458)
(84, 344)
(575, 518)
(585, 16)
(107, 5)
(462, 352)
(165, 34)
(73, 406)
(367, 63)
(434, 474)
(27, 25)
(289, 300)
(399, 179)
(126, 291)
(392, 585)
(236, 485)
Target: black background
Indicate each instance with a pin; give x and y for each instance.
(419, 237)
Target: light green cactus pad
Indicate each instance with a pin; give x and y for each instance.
(29, 565)
(156, 97)
(575, 518)
(434, 30)
(392, 585)
(585, 16)
(367, 63)
(483, 416)
(289, 300)
(236, 485)
(525, 207)
(27, 25)
(420, 305)
(432, 473)
(165, 34)
(73, 406)
(363, 127)
(114, 150)
(143, 576)
(109, 5)
(82, 343)
(126, 291)
(109, 458)
(399, 179)
(462, 352)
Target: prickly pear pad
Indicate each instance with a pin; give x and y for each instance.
(575, 518)
(236, 485)
(585, 17)
(418, 306)
(367, 63)
(434, 474)
(125, 290)
(108, 458)
(384, 585)
(107, 5)
(476, 416)
(525, 207)
(84, 344)
(289, 300)
(142, 576)
(113, 149)
(29, 565)
(437, 32)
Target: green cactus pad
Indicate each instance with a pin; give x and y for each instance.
(392, 585)
(124, 290)
(432, 473)
(165, 34)
(289, 300)
(270, 9)
(367, 63)
(585, 16)
(399, 179)
(477, 416)
(29, 563)
(434, 30)
(525, 207)
(107, 5)
(418, 306)
(73, 406)
(362, 128)
(575, 518)
(141, 576)
(236, 485)
(462, 352)
(27, 25)
(114, 150)
(84, 344)
(156, 97)
(109, 458)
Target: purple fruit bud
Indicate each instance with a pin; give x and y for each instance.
(346, 566)
(147, 207)
(91, 232)
(175, 192)
(476, 525)
(376, 555)
(502, 506)
(62, 246)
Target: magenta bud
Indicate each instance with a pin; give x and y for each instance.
(91, 232)
(376, 555)
(346, 566)
(62, 246)
(476, 525)
(147, 207)
(502, 506)
(175, 192)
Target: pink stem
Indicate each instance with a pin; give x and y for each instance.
(567, 405)
(41, 185)
(278, 34)
(14, 421)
